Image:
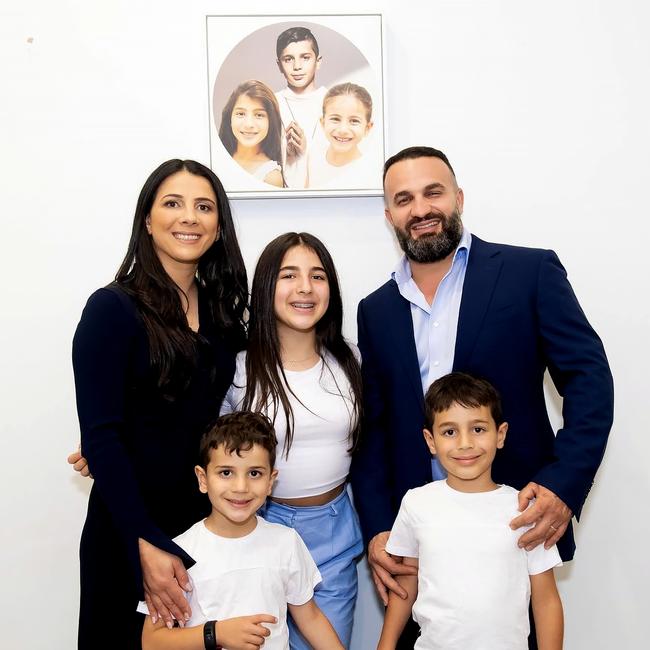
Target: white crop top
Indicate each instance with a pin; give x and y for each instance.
(319, 459)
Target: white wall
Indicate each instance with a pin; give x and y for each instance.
(543, 109)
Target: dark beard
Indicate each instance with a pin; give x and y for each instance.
(435, 246)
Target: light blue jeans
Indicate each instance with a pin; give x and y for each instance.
(332, 534)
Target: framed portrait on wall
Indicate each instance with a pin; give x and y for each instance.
(296, 104)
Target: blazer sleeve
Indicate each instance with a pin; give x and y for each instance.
(578, 366)
(370, 463)
(101, 353)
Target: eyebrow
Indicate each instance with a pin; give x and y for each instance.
(406, 193)
(403, 194)
(180, 196)
(243, 108)
(453, 424)
(350, 115)
(309, 52)
(296, 268)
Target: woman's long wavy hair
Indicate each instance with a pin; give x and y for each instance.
(266, 382)
(261, 92)
(221, 277)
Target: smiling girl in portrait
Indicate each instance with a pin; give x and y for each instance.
(251, 130)
(346, 121)
(301, 373)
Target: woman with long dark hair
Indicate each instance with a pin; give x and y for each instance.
(300, 371)
(153, 356)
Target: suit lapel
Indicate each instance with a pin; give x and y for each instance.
(400, 321)
(483, 268)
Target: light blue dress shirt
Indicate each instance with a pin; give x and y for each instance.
(435, 324)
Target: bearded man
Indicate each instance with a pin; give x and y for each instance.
(505, 313)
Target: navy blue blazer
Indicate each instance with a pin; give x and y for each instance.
(518, 317)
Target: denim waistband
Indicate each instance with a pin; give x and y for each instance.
(335, 505)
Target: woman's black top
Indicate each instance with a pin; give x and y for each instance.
(141, 446)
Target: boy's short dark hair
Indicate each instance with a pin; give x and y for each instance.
(464, 389)
(295, 35)
(238, 432)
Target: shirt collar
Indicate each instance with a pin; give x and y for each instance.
(402, 273)
(290, 94)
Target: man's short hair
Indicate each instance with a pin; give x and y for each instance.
(295, 35)
(463, 389)
(417, 152)
(238, 432)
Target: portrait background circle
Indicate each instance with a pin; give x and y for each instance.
(254, 58)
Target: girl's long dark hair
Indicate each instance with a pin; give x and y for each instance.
(266, 382)
(221, 276)
(271, 145)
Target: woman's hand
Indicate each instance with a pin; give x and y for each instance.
(165, 579)
(79, 463)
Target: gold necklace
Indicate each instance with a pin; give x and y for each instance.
(313, 355)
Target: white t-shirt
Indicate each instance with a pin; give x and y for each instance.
(323, 414)
(359, 174)
(473, 579)
(256, 574)
(306, 110)
(265, 169)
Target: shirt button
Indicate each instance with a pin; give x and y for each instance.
(436, 363)
(436, 323)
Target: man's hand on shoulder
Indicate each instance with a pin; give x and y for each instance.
(384, 566)
(548, 515)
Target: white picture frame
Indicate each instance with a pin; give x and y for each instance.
(241, 48)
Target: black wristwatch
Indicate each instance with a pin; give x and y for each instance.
(210, 636)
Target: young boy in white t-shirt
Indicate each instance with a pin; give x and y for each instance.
(247, 570)
(474, 583)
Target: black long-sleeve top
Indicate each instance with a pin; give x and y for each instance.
(142, 447)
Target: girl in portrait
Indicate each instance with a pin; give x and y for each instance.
(251, 130)
(346, 121)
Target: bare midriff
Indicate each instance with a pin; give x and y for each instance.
(316, 500)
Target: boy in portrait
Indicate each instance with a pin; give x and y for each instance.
(301, 102)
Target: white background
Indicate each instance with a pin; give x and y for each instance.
(543, 109)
